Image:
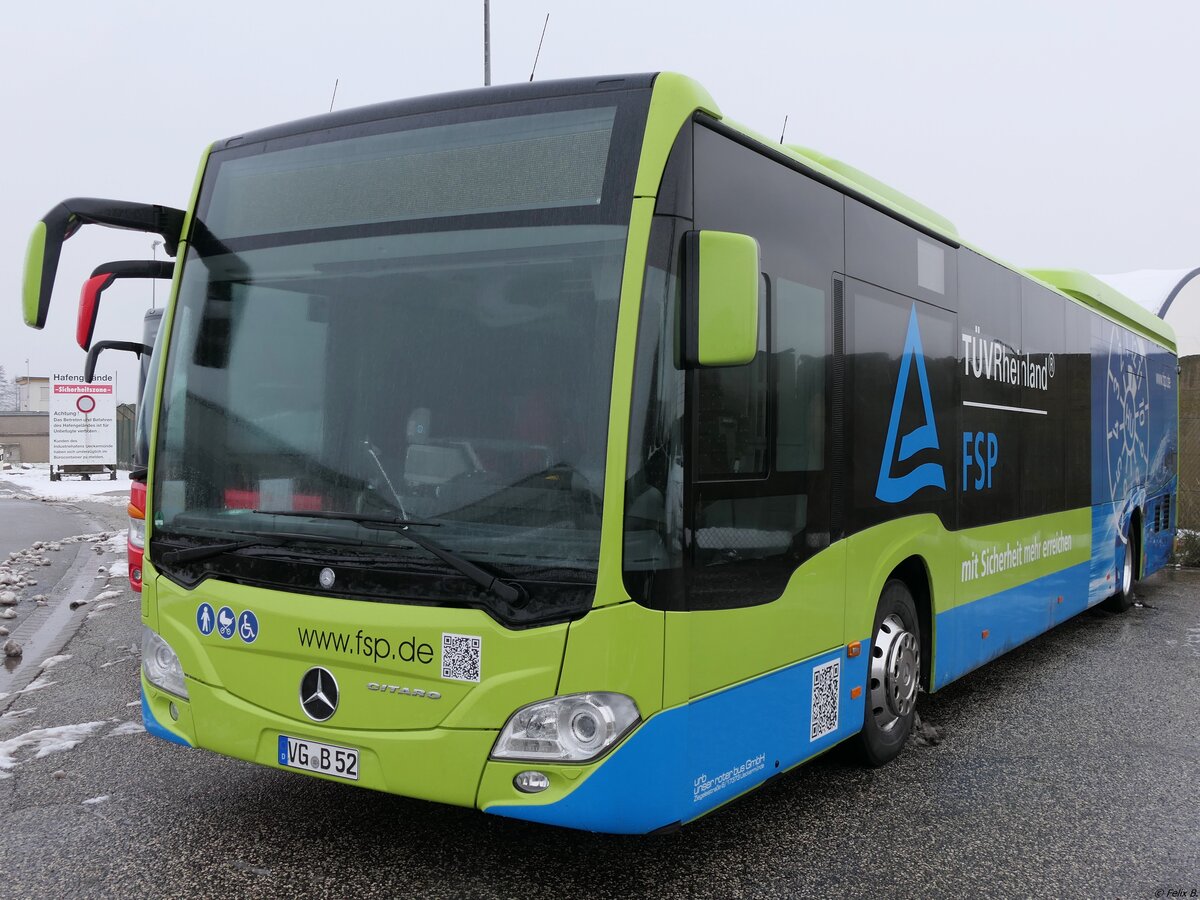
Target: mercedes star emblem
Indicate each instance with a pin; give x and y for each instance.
(318, 694)
(327, 578)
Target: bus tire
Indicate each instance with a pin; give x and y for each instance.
(893, 676)
(1123, 598)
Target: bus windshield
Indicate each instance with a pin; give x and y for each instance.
(413, 324)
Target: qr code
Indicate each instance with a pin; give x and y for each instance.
(827, 683)
(461, 656)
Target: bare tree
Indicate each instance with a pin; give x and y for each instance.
(8, 392)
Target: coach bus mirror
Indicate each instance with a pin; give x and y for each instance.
(45, 244)
(101, 279)
(89, 367)
(721, 316)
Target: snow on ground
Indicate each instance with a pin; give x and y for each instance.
(92, 801)
(117, 542)
(35, 481)
(50, 661)
(44, 741)
(39, 683)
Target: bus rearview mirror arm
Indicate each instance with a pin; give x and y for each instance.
(45, 244)
(101, 279)
(89, 367)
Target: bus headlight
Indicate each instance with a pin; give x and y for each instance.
(137, 531)
(574, 728)
(161, 665)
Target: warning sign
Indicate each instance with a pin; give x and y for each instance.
(83, 421)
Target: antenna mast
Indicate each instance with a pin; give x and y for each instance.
(539, 49)
(487, 43)
(784, 131)
(334, 97)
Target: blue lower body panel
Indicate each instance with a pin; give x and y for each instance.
(154, 728)
(687, 760)
(1010, 618)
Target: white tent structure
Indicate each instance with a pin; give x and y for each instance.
(1171, 294)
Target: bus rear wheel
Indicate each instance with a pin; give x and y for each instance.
(893, 677)
(1123, 598)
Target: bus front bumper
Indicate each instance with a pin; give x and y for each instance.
(439, 764)
(622, 792)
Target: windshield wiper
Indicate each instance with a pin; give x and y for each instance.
(510, 593)
(193, 554)
(365, 519)
(254, 539)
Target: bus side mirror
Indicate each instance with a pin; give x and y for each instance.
(89, 366)
(101, 279)
(721, 299)
(45, 244)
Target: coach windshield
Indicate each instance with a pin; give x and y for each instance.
(412, 324)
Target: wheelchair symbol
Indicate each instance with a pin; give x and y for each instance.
(248, 627)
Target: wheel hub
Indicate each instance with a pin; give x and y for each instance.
(895, 672)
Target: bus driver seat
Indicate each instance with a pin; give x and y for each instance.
(432, 462)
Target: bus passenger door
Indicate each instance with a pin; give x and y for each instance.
(764, 574)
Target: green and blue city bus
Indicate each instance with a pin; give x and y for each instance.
(571, 452)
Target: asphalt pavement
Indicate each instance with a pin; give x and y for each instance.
(1069, 767)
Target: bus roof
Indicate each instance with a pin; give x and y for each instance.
(1101, 296)
(484, 96)
(687, 96)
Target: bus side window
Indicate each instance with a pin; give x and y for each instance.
(799, 341)
(732, 410)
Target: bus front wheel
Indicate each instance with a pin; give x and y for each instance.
(893, 677)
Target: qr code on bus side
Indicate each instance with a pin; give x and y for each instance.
(826, 689)
(461, 656)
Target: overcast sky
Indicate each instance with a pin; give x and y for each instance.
(1052, 133)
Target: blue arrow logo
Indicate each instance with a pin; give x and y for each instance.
(891, 488)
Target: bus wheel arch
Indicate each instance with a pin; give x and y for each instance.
(915, 575)
(1131, 565)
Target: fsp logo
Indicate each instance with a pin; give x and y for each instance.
(896, 488)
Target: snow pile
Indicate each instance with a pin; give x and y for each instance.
(119, 569)
(117, 542)
(35, 482)
(43, 742)
(38, 684)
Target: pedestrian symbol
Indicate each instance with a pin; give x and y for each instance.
(205, 619)
(248, 626)
(225, 622)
